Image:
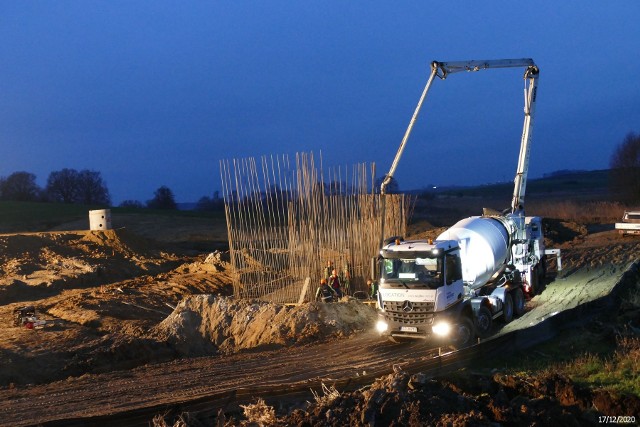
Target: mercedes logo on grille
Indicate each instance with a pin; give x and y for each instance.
(407, 306)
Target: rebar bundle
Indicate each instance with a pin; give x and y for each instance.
(286, 223)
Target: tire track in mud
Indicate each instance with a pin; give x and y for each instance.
(189, 379)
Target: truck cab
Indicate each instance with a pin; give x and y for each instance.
(419, 282)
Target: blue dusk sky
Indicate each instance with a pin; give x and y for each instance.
(155, 93)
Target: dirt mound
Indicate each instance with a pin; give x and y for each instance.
(93, 322)
(119, 241)
(39, 265)
(559, 231)
(214, 262)
(206, 324)
(404, 399)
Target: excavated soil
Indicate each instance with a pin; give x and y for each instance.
(98, 293)
(205, 324)
(119, 300)
(402, 399)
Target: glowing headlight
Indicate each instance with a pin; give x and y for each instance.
(441, 328)
(381, 326)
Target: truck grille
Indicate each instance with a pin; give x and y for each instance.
(422, 312)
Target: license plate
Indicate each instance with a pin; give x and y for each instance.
(408, 329)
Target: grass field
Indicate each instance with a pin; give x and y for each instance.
(578, 196)
(38, 216)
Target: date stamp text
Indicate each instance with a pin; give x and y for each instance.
(617, 419)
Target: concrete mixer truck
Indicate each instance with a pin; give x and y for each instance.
(453, 287)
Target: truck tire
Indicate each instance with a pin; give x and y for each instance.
(533, 286)
(465, 334)
(507, 310)
(483, 322)
(518, 302)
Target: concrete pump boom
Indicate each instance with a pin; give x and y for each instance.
(520, 183)
(442, 70)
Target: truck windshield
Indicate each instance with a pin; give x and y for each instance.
(425, 271)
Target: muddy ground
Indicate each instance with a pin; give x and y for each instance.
(144, 294)
(403, 399)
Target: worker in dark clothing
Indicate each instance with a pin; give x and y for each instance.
(325, 293)
(334, 282)
(328, 269)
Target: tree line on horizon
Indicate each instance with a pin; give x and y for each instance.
(63, 186)
(71, 186)
(87, 186)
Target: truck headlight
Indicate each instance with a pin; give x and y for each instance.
(381, 326)
(441, 328)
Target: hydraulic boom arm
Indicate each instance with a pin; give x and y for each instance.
(442, 70)
(520, 182)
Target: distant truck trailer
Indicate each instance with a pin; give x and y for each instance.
(630, 223)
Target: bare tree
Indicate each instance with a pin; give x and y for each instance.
(71, 186)
(20, 186)
(625, 168)
(163, 199)
(92, 190)
(62, 186)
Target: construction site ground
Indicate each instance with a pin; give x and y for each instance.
(140, 317)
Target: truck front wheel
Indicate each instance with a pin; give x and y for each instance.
(464, 335)
(483, 322)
